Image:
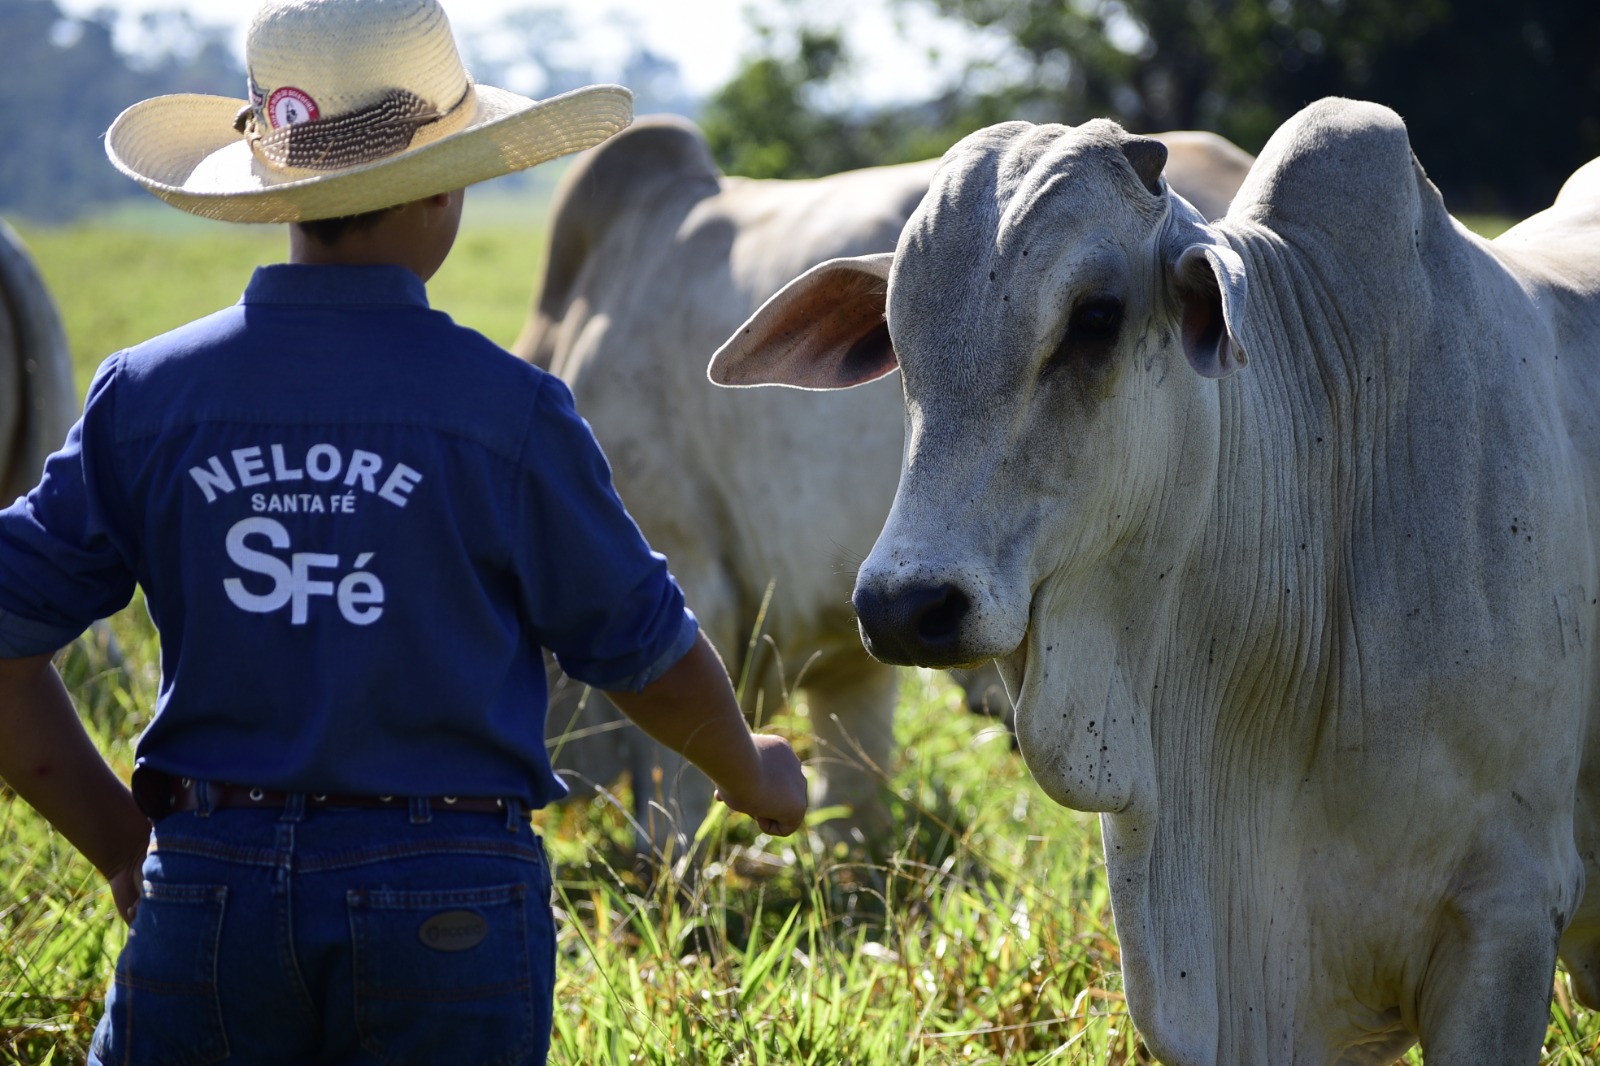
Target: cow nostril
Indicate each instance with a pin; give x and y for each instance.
(940, 618)
(921, 625)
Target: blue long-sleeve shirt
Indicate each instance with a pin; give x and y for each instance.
(356, 524)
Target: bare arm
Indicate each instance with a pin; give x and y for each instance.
(49, 760)
(692, 710)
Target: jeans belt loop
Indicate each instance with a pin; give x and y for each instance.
(421, 810)
(202, 798)
(294, 807)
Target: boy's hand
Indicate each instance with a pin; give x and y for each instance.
(50, 761)
(125, 884)
(775, 796)
(692, 710)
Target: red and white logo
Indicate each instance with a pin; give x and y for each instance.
(289, 106)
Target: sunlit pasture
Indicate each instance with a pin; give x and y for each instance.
(985, 936)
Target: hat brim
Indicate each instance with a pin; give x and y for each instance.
(184, 149)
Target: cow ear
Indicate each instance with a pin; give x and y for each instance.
(1209, 280)
(824, 330)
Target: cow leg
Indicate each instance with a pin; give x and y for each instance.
(594, 747)
(852, 720)
(586, 745)
(1486, 996)
(671, 797)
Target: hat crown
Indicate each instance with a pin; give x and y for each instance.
(319, 59)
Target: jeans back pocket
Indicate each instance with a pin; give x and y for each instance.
(164, 1009)
(452, 975)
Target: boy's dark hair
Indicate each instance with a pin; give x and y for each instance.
(328, 231)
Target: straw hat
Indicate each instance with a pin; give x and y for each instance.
(354, 105)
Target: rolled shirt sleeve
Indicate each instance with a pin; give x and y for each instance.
(602, 600)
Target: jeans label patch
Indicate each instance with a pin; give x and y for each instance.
(453, 931)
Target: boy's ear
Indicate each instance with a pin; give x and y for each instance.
(824, 330)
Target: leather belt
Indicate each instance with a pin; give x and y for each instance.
(185, 797)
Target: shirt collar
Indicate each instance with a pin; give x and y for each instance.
(307, 285)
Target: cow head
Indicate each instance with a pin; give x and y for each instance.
(1058, 317)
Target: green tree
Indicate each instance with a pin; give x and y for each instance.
(762, 125)
(1190, 64)
(775, 118)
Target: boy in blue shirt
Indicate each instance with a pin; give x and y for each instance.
(356, 525)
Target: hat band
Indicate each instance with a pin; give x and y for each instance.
(366, 135)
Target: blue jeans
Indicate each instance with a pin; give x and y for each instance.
(336, 936)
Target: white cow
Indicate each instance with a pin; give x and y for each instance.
(764, 503)
(38, 399)
(1319, 638)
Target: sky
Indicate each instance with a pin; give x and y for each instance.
(707, 38)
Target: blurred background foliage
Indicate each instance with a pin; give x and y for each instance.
(62, 81)
(1502, 100)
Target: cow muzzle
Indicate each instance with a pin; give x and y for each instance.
(916, 626)
(934, 623)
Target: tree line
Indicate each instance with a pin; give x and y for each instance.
(1502, 101)
(63, 81)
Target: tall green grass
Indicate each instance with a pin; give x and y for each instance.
(985, 935)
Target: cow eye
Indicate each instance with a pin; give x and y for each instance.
(1095, 319)
(1091, 334)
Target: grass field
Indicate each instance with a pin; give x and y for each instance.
(985, 938)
